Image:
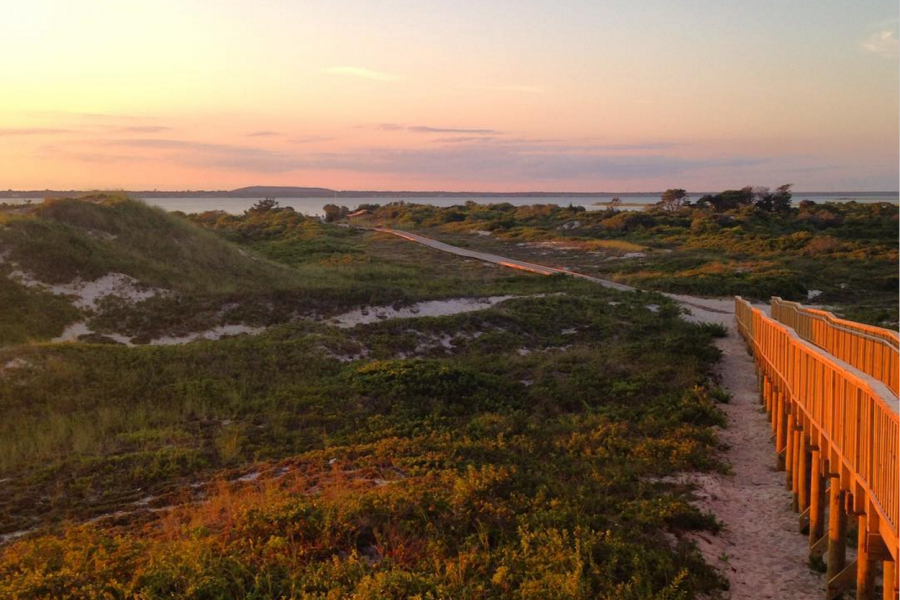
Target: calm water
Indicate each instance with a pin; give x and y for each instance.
(313, 206)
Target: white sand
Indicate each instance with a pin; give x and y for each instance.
(210, 334)
(75, 330)
(432, 308)
(88, 293)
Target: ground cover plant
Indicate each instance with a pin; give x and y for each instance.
(748, 242)
(520, 462)
(519, 451)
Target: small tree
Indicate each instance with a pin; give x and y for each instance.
(730, 199)
(333, 212)
(266, 204)
(781, 199)
(778, 201)
(673, 199)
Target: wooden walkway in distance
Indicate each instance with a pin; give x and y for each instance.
(836, 438)
(873, 350)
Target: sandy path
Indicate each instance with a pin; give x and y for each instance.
(760, 551)
(500, 260)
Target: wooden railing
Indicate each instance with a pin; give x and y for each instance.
(831, 423)
(872, 350)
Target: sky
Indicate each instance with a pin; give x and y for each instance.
(489, 95)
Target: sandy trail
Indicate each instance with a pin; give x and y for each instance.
(760, 551)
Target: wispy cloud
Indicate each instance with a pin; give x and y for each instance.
(430, 129)
(264, 133)
(883, 43)
(144, 129)
(470, 139)
(363, 73)
(513, 162)
(641, 147)
(310, 139)
(472, 158)
(219, 156)
(522, 89)
(516, 89)
(384, 127)
(17, 131)
(556, 145)
(426, 129)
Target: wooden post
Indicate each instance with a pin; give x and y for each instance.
(802, 474)
(890, 573)
(760, 384)
(780, 433)
(865, 565)
(837, 532)
(789, 452)
(817, 500)
(796, 473)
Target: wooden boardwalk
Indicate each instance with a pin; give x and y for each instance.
(872, 350)
(835, 426)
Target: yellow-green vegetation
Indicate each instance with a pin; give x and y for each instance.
(514, 452)
(485, 472)
(747, 242)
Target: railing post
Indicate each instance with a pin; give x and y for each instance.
(889, 578)
(789, 452)
(780, 433)
(817, 502)
(837, 534)
(865, 566)
(796, 473)
(802, 474)
(759, 385)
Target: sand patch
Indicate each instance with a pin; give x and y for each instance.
(214, 333)
(431, 308)
(74, 331)
(86, 294)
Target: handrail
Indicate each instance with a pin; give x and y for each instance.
(872, 350)
(853, 422)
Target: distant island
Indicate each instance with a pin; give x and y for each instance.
(260, 191)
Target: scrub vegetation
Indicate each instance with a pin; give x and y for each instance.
(520, 451)
(750, 242)
(271, 265)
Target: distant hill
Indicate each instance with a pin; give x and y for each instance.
(280, 191)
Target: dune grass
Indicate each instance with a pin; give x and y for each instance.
(481, 472)
(87, 238)
(260, 268)
(30, 314)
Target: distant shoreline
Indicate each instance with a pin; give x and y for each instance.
(299, 192)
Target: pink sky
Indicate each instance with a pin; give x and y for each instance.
(512, 96)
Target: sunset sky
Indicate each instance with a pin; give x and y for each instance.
(613, 95)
